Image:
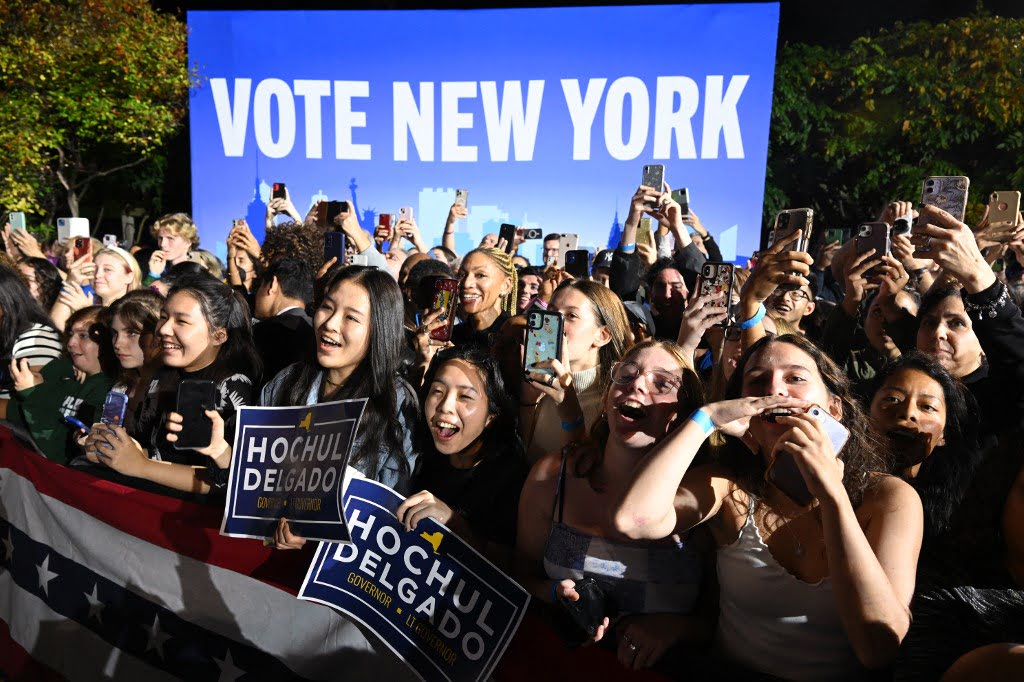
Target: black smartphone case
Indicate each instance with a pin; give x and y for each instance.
(195, 396)
(578, 620)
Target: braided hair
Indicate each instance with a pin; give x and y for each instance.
(503, 261)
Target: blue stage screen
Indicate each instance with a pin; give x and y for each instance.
(547, 116)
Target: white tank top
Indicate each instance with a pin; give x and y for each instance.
(772, 622)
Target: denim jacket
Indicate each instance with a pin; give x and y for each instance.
(390, 471)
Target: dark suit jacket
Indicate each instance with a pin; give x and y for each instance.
(283, 340)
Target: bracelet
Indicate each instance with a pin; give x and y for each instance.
(554, 591)
(628, 248)
(572, 426)
(991, 309)
(758, 316)
(703, 420)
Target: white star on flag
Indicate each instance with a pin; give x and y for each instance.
(95, 605)
(229, 672)
(45, 575)
(156, 637)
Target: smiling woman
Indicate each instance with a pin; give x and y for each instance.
(357, 328)
(487, 296)
(204, 334)
(566, 533)
(472, 476)
(72, 386)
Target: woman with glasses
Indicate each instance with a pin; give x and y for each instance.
(817, 550)
(73, 386)
(565, 533)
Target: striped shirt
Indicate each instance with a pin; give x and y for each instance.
(38, 344)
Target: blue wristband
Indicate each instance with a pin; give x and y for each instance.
(572, 426)
(154, 275)
(703, 420)
(627, 248)
(554, 591)
(758, 316)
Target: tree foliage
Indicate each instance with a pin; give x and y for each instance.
(853, 128)
(91, 88)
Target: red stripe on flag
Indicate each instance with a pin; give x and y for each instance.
(177, 525)
(17, 664)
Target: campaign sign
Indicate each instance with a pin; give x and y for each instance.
(522, 107)
(290, 462)
(443, 608)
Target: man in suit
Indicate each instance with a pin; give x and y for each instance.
(284, 333)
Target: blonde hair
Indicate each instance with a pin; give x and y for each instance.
(128, 260)
(178, 223)
(504, 263)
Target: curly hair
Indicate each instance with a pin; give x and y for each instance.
(180, 224)
(863, 455)
(304, 241)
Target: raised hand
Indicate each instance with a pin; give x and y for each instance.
(951, 244)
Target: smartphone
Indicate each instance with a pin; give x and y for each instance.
(358, 259)
(682, 197)
(800, 219)
(784, 473)
(113, 408)
(72, 227)
(462, 197)
(384, 220)
(654, 177)
(835, 235)
(577, 263)
(81, 248)
(508, 233)
(566, 243)
(1002, 215)
(903, 224)
(334, 246)
(577, 621)
(405, 213)
(109, 240)
(278, 191)
(75, 423)
(17, 220)
(543, 340)
(875, 236)
(327, 211)
(195, 396)
(948, 192)
(643, 232)
(446, 292)
(717, 278)
(530, 233)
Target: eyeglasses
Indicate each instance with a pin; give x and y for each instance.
(794, 294)
(659, 381)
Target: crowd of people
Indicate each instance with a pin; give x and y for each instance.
(675, 470)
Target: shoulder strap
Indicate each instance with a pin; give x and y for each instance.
(560, 495)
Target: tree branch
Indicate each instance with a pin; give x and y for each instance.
(115, 169)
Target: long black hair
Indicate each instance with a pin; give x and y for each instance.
(944, 477)
(500, 435)
(376, 377)
(19, 310)
(863, 454)
(224, 308)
